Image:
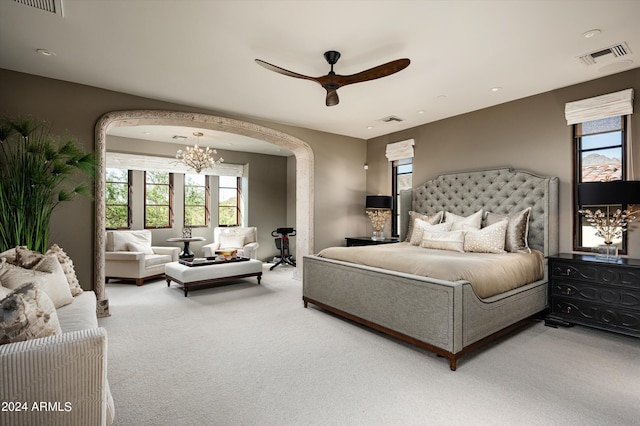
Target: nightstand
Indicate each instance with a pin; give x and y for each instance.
(596, 293)
(367, 241)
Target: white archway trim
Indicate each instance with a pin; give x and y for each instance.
(301, 150)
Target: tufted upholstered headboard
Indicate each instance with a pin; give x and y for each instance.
(502, 191)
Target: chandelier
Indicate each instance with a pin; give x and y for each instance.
(197, 158)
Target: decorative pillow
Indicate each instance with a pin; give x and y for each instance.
(239, 231)
(27, 258)
(489, 239)
(453, 240)
(432, 219)
(420, 226)
(143, 248)
(9, 255)
(27, 313)
(517, 230)
(48, 276)
(68, 268)
(230, 241)
(460, 222)
(4, 292)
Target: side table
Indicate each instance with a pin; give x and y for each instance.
(186, 252)
(367, 241)
(604, 294)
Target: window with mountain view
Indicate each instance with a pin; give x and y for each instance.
(196, 200)
(600, 156)
(158, 199)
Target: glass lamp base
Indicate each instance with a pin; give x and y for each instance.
(607, 251)
(377, 236)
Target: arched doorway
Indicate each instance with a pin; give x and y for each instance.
(301, 150)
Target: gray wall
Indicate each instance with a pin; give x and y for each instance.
(339, 181)
(530, 134)
(267, 198)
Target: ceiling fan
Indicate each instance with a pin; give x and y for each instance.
(332, 81)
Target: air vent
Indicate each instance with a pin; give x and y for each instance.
(51, 6)
(178, 137)
(606, 54)
(391, 119)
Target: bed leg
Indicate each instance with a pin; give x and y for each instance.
(453, 363)
(306, 304)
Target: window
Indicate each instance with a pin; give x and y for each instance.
(158, 199)
(402, 179)
(600, 156)
(228, 201)
(117, 198)
(196, 200)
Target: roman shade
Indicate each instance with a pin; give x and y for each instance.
(609, 105)
(399, 150)
(119, 160)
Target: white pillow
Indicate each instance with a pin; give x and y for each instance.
(47, 275)
(490, 239)
(433, 219)
(229, 241)
(419, 226)
(143, 248)
(458, 222)
(453, 240)
(4, 292)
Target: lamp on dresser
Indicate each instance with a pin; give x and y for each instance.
(378, 209)
(609, 226)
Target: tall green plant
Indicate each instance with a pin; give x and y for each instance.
(38, 171)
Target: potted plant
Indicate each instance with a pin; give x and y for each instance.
(38, 171)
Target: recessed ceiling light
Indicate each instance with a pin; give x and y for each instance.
(496, 89)
(591, 33)
(420, 112)
(369, 127)
(46, 52)
(441, 96)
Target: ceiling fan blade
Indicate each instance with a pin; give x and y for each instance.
(283, 71)
(332, 97)
(373, 73)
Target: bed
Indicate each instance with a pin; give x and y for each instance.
(443, 315)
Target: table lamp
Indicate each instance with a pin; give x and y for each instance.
(378, 208)
(608, 225)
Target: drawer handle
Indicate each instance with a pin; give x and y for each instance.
(566, 290)
(567, 272)
(567, 310)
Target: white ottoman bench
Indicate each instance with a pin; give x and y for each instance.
(203, 276)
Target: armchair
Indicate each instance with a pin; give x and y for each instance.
(130, 255)
(243, 239)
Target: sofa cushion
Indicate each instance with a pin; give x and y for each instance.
(238, 231)
(27, 313)
(67, 267)
(142, 248)
(117, 240)
(26, 258)
(156, 259)
(232, 241)
(4, 292)
(48, 276)
(80, 315)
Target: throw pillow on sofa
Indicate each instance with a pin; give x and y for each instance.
(68, 268)
(27, 313)
(48, 276)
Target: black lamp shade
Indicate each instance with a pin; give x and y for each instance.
(379, 202)
(615, 192)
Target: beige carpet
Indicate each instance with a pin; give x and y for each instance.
(249, 354)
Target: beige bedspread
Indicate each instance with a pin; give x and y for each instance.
(489, 274)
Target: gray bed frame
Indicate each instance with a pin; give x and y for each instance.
(442, 316)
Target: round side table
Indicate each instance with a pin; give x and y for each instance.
(186, 252)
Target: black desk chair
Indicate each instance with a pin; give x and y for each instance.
(282, 244)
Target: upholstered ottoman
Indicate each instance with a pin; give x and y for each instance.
(203, 276)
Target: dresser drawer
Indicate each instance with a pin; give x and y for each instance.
(623, 297)
(597, 315)
(596, 272)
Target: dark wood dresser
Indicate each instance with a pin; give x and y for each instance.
(596, 293)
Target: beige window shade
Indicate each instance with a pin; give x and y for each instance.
(609, 105)
(399, 150)
(144, 162)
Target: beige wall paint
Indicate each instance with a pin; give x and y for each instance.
(530, 134)
(267, 197)
(76, 109)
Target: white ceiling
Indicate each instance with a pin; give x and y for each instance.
(201, 53)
